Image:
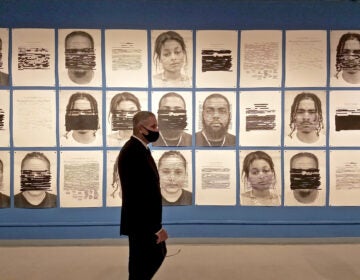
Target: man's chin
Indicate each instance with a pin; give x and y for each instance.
(307, 128)
(172, 190)
(78, 73)
(217, 128)
(83, 131)
(171, 133)
(218, 133)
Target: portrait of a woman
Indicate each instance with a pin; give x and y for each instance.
(259, 178)
(172, 168)
(170, 61)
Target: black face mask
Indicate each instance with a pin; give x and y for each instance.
(304, 178)
(122, 120)
(172, 119)
(152, 136)
(81, 122)
(83, 59)
(35, 180)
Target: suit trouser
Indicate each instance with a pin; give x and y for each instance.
(145, 256)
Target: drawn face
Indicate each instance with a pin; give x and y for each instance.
(304, 162)
(306, 118)
(172, 117)
(216, 116)
(127, 105)
(351, 56)
(172, 56)
(80, 45)
(84, 108)
(35, 164)
(123, 114)
(172, 174)
(260, 176)
(172, 103)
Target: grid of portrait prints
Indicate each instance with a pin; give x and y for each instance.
(246, 117)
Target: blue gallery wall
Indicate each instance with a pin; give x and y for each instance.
(192, 221)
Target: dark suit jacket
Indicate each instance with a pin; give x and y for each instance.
(141, 211)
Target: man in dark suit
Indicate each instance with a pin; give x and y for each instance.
(141, 212)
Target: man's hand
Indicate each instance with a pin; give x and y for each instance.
(161, 236)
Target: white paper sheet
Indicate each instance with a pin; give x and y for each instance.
(344, 178)
(215, 177)
(261, 58)
(126, 58)
(260, 118)
(33, 57)
(306, 58)
(81, 179)
(344, 118)
(216, 58)
(34, 121)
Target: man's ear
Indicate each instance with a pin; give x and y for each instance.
(141, 129)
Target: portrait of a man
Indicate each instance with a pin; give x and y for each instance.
(173, 121)
(348, 58)
(216, 118)
(305, 177)
(306, 120)
(80, 57)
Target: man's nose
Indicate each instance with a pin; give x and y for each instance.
(216, 114)
(307, 115)
(172, 177)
